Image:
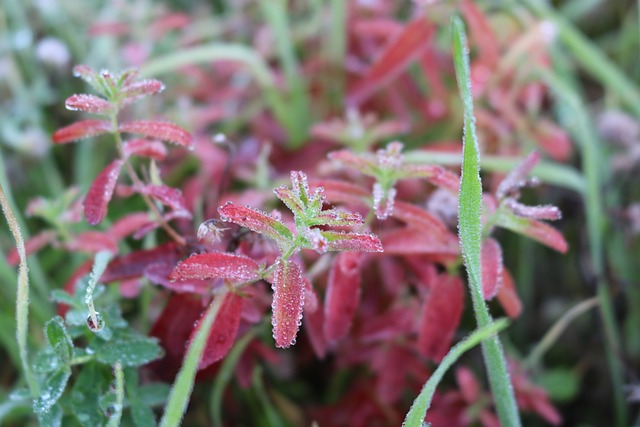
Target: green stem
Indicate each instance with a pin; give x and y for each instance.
(556, 330)
(114, 420)
(470, 230)
(22, 298)
(583, 131)
(420, 406)
(183, 385)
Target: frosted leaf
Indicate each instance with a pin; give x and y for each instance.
(96, 325)
(80, 130)
(300, 186)
(547, 212)
(288, 301)
(158, 130)
(89, 103)
(97, 200)
(357, 242)
(517, 177)
(221, 265)
(317, 241)
(257, 221)
(145, 148)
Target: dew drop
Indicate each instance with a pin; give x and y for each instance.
(95, 326)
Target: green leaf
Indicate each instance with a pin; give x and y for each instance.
(58, 295)
(142, 415)
(130, 350)
(154, 394)
(51, 390)
(52, 418)
(85, 395)
(46, 361)
(58, 338)
(415, 416)
(470, 232)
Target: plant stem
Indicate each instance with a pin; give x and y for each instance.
(139, 184)
(183, 385)
(470, 230)
(22, 297)
(114, 420)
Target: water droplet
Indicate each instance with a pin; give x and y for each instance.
(96, 326)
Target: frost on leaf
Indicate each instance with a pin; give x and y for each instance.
(100, 193)
(158, 130)
(220, 265)
(440, 317)
(342, 295)
(516, 179)
(491, 268)
(223, 332)
(383, 200)
(93, 242)
(257, 221)
(288, 302)
(145, 148)
(358, 242)
(81, 129)
(536, 230)
(168, 196)
(90, 104)
(133, 91)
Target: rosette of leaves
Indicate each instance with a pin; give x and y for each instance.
(387, 167)
(117, 92)
(285, 275)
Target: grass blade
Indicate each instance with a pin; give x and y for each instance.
(421, 405)
(470, 232)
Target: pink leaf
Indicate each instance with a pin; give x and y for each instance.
(440, 317)
(90, 104)
(158, 130)
(129, 224)
(145, 148)
(435, 174)
(133, 265)
(412, 241)
(257, 221)
(361, 163)
(397, 55)
(491, 268)
(32, 245)
(171, 197)
(93, 242)
(310, 298)
(416, 217)
(536, 230)
(357, 242)
(313, 327)
(97, 200)
(344, 192)
(220, 265)
(81, 129)
(517, 176)
(338, 218)
(134, 91)
(342, 295)
(223, 331)
(547, 212)
(160, 272)
(288, 302)
(508, 296)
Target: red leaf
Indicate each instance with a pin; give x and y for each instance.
(100, 193)
(342, 295)
(344, 192)
(134, 91)
(93, 242)
(133, 265)
(89, 103)
(482, 33)
(553, 140)
(310, 298)
(412, 241)
(257, 221)
(129, 224)
(508, 296)
(313, 327)
(440, 317)
(362, 163)
(536, 230)
(491, 268)
(416, 217)
(32, 245)
(81, 129)
(168, 196)
(518, 174)
(288, 301)
(357, 242)
(397, 55)
(158, 130)
(145, 148)
(435, 174)
(219, 265)
(223, 332)
(159, 273)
